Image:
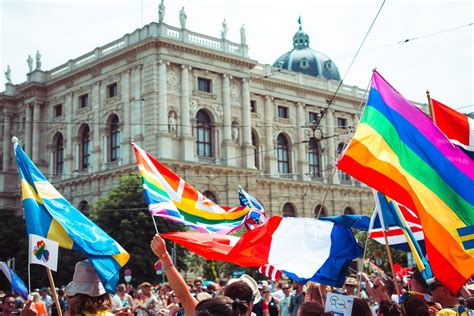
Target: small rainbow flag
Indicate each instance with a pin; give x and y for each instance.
(169, 196)
(398, 151)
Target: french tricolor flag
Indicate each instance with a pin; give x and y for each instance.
(305, 249)
(459, 128)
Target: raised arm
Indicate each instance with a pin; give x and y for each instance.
(177, 282)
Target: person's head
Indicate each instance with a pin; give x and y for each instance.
(296, 286)
(418, 283)
(311, 309)
(221, 306)
(443, 295)
(197, 285)
(35, 297)
(43, 291)
(85, 293)
(8, 304)
(388, 308)
(361, 307)
(413, 303)
(146, 288)
(266, 294)
(350, 285)
(470, 302)
(312, 293)
(285, 287)
(244, 289)
(121, 289)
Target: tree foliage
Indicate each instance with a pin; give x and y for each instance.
(124, 215)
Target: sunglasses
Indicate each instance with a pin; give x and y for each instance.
(285, 288)
(265, 292)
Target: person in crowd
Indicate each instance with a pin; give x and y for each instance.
(46, 298)
(271, 302)
(175, 308)
(203, 296)
(313, 293)
(350, 285)
(198, 286)
(122, 301)
(449, 301)
(37, 304)
(278, 293)
(284, 303)
(360, 307)
(151, 305)
(63, 304)
(311, 308)
(19, 301)
(297, 298)
(418, 284)
(260, 308)
(8, 306)
(244, 290)
(221, 306)
(388, 308)
(413, 304)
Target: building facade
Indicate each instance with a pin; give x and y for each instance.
(200, 105)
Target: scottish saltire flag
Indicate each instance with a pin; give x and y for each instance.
(50, 215)
(257, 214)
(305, 249)
(395, 235)
(390, 215)
(169, 196)
(17, 284)
(459, 128)
(399, 151)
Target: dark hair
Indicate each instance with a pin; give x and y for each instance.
(197, 281)
(81, 303)
(221, 306)
(7, 296)
(414, 305)
(470, 302)
(361, 307)
(312, 309)
(416, 275)
(389, 308)
(239, 290)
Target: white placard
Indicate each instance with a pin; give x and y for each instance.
(339, 304)
(43, 251)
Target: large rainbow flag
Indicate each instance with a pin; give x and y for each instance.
(169, 196)
(399, 151)
(50, 215)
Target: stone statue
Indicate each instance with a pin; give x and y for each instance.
(38, 60)
(161, 11)
(172, 123)
(30, 63)
(224, 30)
(235, 131)
(243, 39)
(8, 74)
(182, 18)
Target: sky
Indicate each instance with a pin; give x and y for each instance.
(439, 56)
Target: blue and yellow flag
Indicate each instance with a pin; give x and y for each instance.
(50, 215)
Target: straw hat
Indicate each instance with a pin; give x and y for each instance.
(250, 282)
(85, 281)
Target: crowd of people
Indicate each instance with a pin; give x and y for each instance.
(374, 294)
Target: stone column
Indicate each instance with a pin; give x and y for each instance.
(125, 121)
(331, 148)
(68, 144)
(137, 107)
(28, 128)
(228, 144)
(7, 144)
(187, 141)
(248, 153)
(36, 131)
(97, 95)
(302, 161)
(270, 160)
(164, 139)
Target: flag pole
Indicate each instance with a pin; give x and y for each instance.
(391, 262)
(29, 279)
(430, 106)
(55, 294)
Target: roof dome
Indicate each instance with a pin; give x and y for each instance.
(303, 59)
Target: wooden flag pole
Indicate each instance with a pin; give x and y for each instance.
(391, 263)
(55, 294)
(430, 106)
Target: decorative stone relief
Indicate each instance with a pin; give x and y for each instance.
(173, 79)
(193, 105)
(234, 91)
(218, 111)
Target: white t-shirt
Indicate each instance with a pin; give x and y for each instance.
(116, 303)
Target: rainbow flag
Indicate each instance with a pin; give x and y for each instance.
(169, 196)
(398, 151)
(50, 215)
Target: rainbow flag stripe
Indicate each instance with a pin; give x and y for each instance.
(398, 151)
(169, 196)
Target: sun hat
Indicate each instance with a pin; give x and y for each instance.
(85, 281)
(351, 281)
(250, 282)
(203, 296)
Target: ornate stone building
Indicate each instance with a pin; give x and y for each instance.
(202, 106)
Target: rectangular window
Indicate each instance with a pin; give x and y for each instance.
(313, 117)
(58, 110)
(83, 101)
(112, 90)
(283, 112)
(253, 106)
(341, 122)
(205, 85)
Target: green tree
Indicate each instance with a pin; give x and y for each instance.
(124, 215)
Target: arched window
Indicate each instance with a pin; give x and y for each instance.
(283, 154)
(289, 210)
(211, 196)
(58, 154)
(323, 211)
(83, 207)
(344, 177)
(255, 149)
(114, 138)
(349, 210)
(85, 147)
(204, 134)
(314, 158)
